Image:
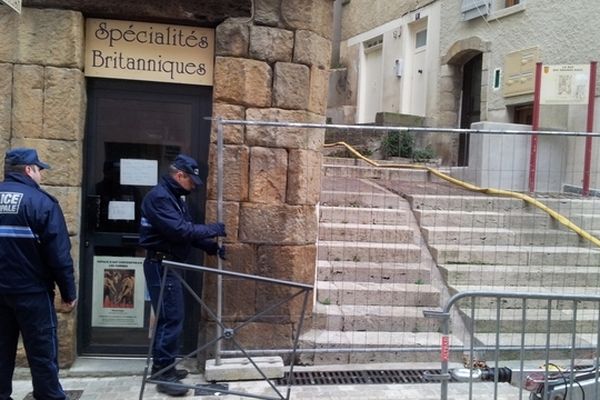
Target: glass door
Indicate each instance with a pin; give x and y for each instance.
(134, 130)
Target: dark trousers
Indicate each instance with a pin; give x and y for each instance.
(34, 316)
(170, 316)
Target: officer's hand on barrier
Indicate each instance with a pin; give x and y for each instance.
(221, 252)
(218, 229)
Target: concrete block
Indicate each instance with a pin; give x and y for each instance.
(237, 369)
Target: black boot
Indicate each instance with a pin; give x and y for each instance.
(171, 390)
(170, 376)
(179, 373)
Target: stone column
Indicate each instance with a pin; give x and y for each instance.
(273, 68)
(42, 105)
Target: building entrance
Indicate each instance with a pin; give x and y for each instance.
(133, 132)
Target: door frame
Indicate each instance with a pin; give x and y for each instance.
(199, 143)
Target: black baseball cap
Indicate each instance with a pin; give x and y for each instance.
(24, 156)
(188, 165)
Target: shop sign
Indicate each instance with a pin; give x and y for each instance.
(14, 4)
(149, 52)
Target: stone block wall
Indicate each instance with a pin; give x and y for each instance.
(42, 105)
(273, 68)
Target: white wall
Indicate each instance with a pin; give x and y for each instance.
(499, 161)
(398, 44)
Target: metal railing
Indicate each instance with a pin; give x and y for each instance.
(227, 333)
(548, 382)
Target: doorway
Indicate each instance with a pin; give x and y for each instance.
(133, 132)
(470, 105)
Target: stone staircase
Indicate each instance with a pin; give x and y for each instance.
(394, 242)
(374, 273)
(500, 244)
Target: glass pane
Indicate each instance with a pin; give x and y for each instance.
(421, 39)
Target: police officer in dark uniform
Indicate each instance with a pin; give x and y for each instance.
(34, 255)
(168, 233)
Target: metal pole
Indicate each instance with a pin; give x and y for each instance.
(589, 127)
(535, 126)
(408, 129)
(219, 310)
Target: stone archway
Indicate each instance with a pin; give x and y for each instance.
(458, 54)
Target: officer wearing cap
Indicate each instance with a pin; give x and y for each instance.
(168, 232)
(34, 256)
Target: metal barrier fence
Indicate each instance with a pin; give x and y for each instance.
(228, 332)
(576, 381)
(398, 238)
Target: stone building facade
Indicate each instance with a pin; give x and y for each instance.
(470, 34)
(272, 61)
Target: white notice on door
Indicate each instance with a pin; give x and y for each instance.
(139, 172)
(121, 210)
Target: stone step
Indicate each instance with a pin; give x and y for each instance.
(365, 233)
(501, 236)
(570, 206)
(373, 318)
(375, 216)
(350, 185)
(516, 255)
(485, 219)
(536, 320)
(381, 173)
(538, 339)
(372, 272)
(467, 203)
(516, 303)
(344, 161)
(377, 294)
(513, 275)
(477, 202)
(373, 252)
(361, 340)
(363, 199)
(584, 221)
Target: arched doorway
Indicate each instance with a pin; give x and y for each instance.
(470, 107)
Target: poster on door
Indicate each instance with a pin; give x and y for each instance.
(118, 292)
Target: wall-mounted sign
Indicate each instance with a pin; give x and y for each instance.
(565, 84)
(149, 52)
(14, 4)
(519, 71)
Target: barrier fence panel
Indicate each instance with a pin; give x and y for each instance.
(555, 367)
(230, 332)
(401, 235)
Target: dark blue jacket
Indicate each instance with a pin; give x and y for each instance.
(34, 241)
(167, 226)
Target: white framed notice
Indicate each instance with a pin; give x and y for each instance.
(121, 210)
(138, 172)
(565, 84)
(118, 292)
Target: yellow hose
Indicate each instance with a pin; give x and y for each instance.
(498, 192)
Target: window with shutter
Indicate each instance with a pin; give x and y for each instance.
(472, 9)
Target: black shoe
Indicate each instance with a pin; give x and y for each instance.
(171, 390)
(178, 374)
